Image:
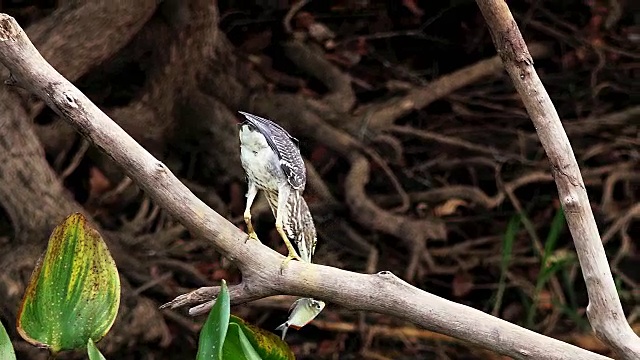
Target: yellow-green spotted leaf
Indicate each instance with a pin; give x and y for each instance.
(6, 348)
(214, 331)
(93, 352)
(268, 345)
(237, 346)
(74, 291)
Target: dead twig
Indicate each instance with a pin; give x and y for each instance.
(453, 141)
(75, 161)
(293, 10)
(378, 117)
(621, 222)
(608, 205)
(413, 232)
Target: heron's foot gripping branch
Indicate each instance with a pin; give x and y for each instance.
(250, 230)
(292, 255)
(252, 236)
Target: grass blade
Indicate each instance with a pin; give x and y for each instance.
(507, 247)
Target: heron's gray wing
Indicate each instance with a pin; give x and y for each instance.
(284, 145)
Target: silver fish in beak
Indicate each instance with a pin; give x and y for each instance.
(302, 312)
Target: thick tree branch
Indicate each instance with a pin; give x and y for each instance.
(83, 26)
(604, 310)
(75, 38)
(310, 60)
(382, 292)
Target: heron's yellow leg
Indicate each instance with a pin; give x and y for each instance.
(250, 230)
(292, 251)
(251, 195)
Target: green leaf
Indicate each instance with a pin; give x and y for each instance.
(94, 353)
(557, 225)
(237, 346)
(268, 345)
(247, 349)
(6, 348)
(74, 291)
(214, 331)
(507, 246)
(225, 336)
(548, 268)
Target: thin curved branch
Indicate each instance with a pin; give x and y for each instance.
(291, 13)
(382, 292)
(479, 197)
(607, 202)
(380, 116)
(453, 141)
(632, 213)
(413, 232)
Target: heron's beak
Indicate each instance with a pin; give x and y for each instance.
(250, 117)
(303, 312)
(253, 122)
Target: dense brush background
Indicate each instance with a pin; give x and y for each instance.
(453, 160)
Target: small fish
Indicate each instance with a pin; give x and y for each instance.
(301, 312)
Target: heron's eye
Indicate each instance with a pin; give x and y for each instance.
(248, 125)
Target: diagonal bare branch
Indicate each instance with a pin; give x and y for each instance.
(604, 310)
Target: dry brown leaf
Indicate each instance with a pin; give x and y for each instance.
(449, 207)
(98, 183)
(462, 284)
(545, 300)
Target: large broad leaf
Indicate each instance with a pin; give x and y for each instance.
(214, 330)
(93, 352)
(268, 345)
(6, 348)
(74, 292)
